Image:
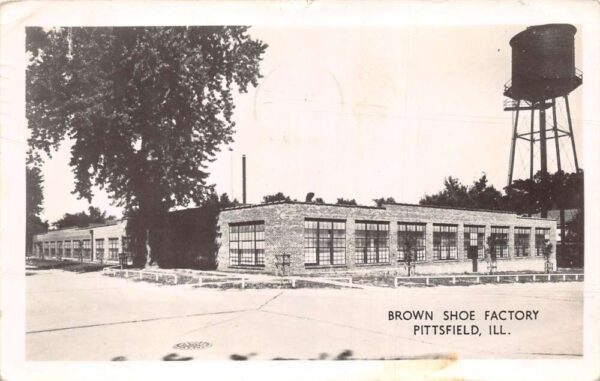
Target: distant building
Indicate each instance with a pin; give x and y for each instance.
(323, 237)
(101, 243)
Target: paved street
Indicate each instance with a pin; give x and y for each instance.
(88, 316)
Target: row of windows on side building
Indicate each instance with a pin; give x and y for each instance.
(325, 242)
(83, 248)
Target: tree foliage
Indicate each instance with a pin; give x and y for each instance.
(279, 196)
(343, 201)
(82, 219)
(189, 236)
(146, 107)
(478, 195)
(384, 200)
(34, 199)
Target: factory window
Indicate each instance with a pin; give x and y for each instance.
(46, 248)
(53, 249)
(87, 249)
(67, 247)
(247, 244)
(113, 249)
(522, 239)
(411, 234)
(76, 249)
(475, 236)
(324, 242)
(100, 249)
(59, 248)
(444, 242)
(499, 238)
(372, 242)
(541, 235)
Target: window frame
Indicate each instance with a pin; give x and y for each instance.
(421, 240)
(113, 250)
(522, 250)
(539, 244)
(503, 243)
(335, 250)
(480, 231)
(445, 237)
(257, 251)
(382, 253)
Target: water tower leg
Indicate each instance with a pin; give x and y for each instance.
(571, 133)
(531, 141)
(543, 157)
(555, 127)
(512, 146)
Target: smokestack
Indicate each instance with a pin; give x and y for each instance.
(244, 179)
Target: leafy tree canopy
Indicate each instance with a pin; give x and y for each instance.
(279, 196)
(343, 201)
(82, 219)
(384, 200)
(34, 198)
(147, 108)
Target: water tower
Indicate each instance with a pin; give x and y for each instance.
(543, 73)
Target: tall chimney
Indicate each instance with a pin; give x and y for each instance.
(244, 179)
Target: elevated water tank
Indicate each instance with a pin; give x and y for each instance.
(543, 63)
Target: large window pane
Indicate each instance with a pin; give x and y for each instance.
(411, 233)
(522, 238)
(499, 239)
(445, 242)
(246, 244)
(372, 243)
(324, 242)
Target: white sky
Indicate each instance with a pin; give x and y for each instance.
(363, 113)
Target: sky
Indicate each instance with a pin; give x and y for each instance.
(362, 113)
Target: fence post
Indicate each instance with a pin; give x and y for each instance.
(243, 284)
(427, 281)
(395, 282)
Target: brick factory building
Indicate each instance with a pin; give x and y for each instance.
(92, 243)
(324, 237)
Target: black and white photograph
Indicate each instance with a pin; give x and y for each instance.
(248, 190)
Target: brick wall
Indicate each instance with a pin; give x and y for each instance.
(284, 234)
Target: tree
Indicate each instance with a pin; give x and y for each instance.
(83, 219)
(384, 200)
(490, 253)
(276, 198)
(34, 199)
(146, 107)
(409, 243)
(343, 201)
(454, 194)
(309, 196)
(479, 195)
(190, 235)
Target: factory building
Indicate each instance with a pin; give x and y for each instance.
(310, 237)
(97, 243)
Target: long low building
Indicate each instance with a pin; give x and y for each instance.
(97, 243)
(300, 237)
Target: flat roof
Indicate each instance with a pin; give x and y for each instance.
(248, 206)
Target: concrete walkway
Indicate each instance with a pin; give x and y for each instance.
(88, 316)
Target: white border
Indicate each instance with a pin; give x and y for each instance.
(15, 16)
